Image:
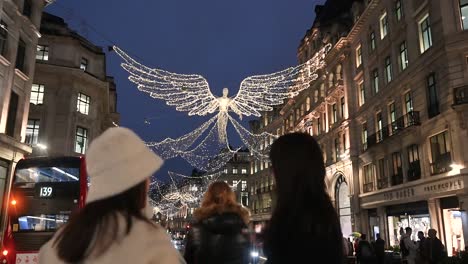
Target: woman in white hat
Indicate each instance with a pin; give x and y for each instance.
(113, 227)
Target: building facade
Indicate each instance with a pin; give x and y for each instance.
(236, 173)
(19, 34)
(72, 99)
(390, 114)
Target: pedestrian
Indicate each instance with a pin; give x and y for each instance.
(379, 248)
(409, 249)
(114, 225)
(435, 250)
(422, 254)
(220, 234)
(350, 247)
(304, 225)
(365, 253)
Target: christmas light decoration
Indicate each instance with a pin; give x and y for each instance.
(191, 93)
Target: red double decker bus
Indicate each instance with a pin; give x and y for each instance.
(44, 193)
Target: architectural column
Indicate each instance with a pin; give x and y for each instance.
(463, 201)
(436, 217)
(383, 224)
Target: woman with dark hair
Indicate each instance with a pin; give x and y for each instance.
(113, 226)
(220, 234)
(304, 226)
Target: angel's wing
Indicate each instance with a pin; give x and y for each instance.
(187, 92)
(261, 92)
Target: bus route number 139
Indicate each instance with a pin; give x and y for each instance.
(45, 192)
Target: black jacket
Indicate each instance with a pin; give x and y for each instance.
(218, 239)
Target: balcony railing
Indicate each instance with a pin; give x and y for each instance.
(441, 164)
(368, 187)
(382, 183)
(408, 120)
(397, 178)
(460, 95)
(414, 171)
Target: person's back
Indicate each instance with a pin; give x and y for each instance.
(304, 225)
(434, 247)
(221, 238)
(220, 234)
(114, 226)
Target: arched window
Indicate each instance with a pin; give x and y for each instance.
(322, 90)
(308, 103)
(331, 80)
(343, 205)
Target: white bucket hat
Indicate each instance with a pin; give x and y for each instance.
(116, 161)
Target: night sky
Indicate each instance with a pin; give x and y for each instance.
(225, 41)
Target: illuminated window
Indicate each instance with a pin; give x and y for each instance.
(425, 34)
(388, 69)
(37, 94)
(358, 56)
(398, 10)
(383, 25)
(42, 53)
(375, 80)
(464, 13)
(32, 132)
(84, 64)
(403, 56)
(373, 42)
(81, 140)
(83, 103)
(362, 93)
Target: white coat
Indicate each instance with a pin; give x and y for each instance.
(412, 248)
(144, 244)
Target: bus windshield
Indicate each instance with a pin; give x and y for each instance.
(46, 192)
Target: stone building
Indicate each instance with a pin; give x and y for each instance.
(236, 173)
(19, 34)
(72, 99)
(390, 113)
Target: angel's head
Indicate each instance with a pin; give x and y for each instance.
(225, 92)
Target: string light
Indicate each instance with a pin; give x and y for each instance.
(191, 93)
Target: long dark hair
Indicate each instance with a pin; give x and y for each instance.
(304, 215)
(96, 226)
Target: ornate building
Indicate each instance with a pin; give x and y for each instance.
(19, 33)
(390, 113)
(72, 99)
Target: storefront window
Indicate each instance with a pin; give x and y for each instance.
(397, 225)
(453, 231)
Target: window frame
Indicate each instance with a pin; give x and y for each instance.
(409, 104)
(358, 56)
(361, 93)
(20, 63)
(373, 41)
(463, 17)
(388, 69)
(403, 56)
(84, 64)
(32, 132)
(433, 103)
(37, 94)
(383, 24)
(84, 137)
(375, 81)
(83, 101)
(42, 52)
(398, 10)
(3, 37)
(425, 32)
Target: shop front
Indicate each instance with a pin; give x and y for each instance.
(434, 203)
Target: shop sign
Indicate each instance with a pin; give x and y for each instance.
(444, 186)
(401, 194)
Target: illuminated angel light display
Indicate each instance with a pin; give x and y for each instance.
(191, 93)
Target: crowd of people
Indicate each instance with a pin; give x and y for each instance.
(114, 226)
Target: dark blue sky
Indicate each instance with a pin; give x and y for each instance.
(225, 41)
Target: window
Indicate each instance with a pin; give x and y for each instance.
(37, 94)
(3, 37)
(244, 171)
(392, 116)
(408, 102)
(343, 205)
(398, 10)
(375, 80)
(403, 56)
(334, 113)
(383, 25)
(382, 180)
(81, 140)
(362, 93)
(298, 114)
(244, 186)
(12, 113)
(42, 53)
(414, 168)
(397, 171)
(373, 43)
(388, 69)
(32, 132)
(344, 142)
(308, 103)
(368, 178)
(358, 56)
(379, 126)
(319, 126)
(20, 55)
(234, 171)
(83, 103)
(316, 95)
(342, 104)
(27, 8)
(425, 34)
(364, 136)
(440, 153)
(464, 13)
(433, 98)
(225, 171)
(337, 149)
(84, 64)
